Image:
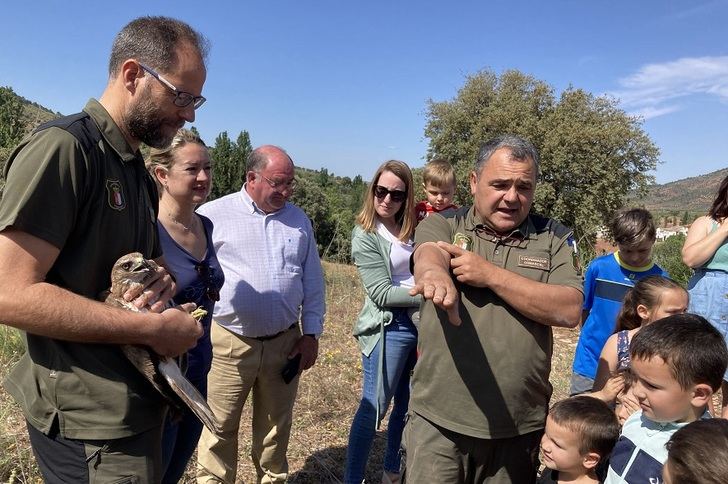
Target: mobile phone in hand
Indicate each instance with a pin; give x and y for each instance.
(291, 369)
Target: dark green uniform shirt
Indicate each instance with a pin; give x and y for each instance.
(489, 377)
(95, 202)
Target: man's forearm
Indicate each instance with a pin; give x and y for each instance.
(49, 310)
(429, 257)
(549, 304)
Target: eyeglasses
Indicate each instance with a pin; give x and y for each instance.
(182, 99)
(280, 185)
(395, 195)
(206, 273)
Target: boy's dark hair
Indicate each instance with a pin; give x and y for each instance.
(632, 226)
(439, 173)
(698, 452)
(646, 292)
(591, 419)
(692, 348)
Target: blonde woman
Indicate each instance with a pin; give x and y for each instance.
(183, 173)
(381, 247)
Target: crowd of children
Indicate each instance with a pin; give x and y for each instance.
(677, 363)
(644, 364)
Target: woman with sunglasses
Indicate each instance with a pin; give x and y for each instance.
(381, 246)
(184, 179)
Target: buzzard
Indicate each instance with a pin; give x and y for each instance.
(133, 270)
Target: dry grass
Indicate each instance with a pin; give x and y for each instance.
(16, 459)
(327, 398)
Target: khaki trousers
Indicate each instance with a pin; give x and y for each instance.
(239, 365)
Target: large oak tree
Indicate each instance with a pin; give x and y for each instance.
(592, 152)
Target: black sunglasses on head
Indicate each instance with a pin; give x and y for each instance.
(395, 195)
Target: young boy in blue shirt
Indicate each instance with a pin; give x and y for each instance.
(677, 364)
(606, 281)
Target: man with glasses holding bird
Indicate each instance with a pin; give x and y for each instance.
(267, 323)
(77, 198)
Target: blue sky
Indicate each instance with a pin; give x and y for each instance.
(344, 85)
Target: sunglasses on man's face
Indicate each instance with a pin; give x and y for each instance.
(395, 195)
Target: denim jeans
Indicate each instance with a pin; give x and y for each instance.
(179, 439)
(708, 291)
(400, 346)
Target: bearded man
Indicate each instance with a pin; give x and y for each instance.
(77, 198)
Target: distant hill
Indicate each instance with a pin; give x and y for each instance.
(694, 194)
(35, 114)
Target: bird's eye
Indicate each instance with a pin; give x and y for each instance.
(126, 266)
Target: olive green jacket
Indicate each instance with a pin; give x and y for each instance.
(370, 253)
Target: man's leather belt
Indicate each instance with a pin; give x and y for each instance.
(266, 338)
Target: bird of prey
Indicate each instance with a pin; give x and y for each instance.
(133, 270)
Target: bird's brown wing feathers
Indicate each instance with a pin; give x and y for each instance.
(162, 372)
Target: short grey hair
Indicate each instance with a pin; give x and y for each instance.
(520, 149)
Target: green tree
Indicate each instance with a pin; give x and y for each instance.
(12, 127)
(668, 255)
(229, 163)
(308, 197)
(592, 153)
(331, 203)
(243, 148)
(685, 218)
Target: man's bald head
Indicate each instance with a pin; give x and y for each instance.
(270, 180)
(259, 158)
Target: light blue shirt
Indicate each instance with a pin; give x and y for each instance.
(640, 453)
(272, 269)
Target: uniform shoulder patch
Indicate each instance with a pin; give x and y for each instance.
(80, 125)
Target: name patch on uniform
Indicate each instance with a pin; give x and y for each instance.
(115, 194)
(534, 262)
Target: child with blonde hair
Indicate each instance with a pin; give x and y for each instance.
(438, 181)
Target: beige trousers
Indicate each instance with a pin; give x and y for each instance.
(239, 365)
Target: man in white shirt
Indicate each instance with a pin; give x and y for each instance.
(273, 281)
